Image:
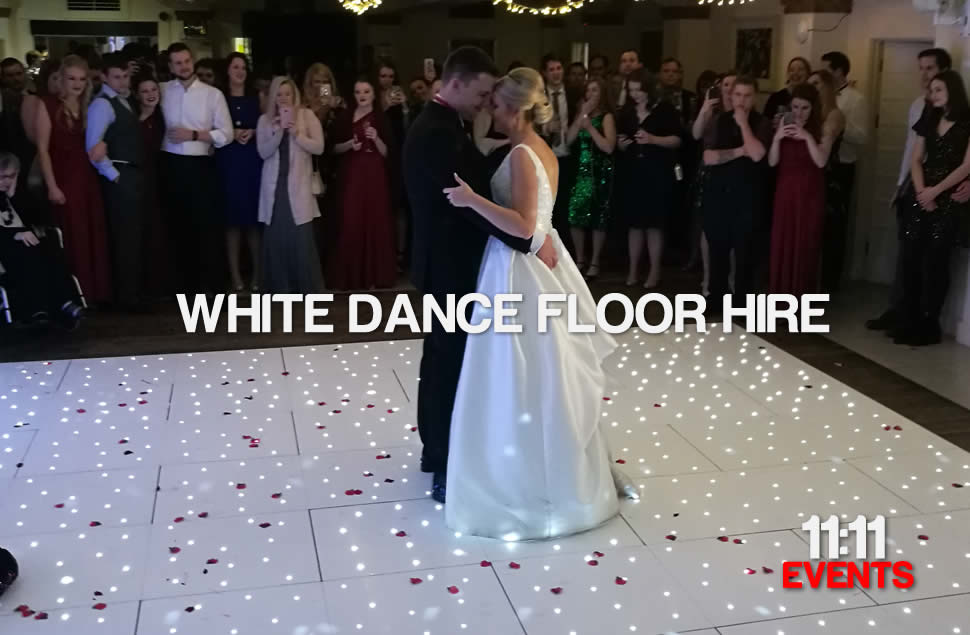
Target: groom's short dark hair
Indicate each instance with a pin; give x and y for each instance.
(467, 63)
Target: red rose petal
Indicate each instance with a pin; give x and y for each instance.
(381, 457)
(27, 613)
(923, 537)
(416, 580)
(285, 373)
(670, 537)
(319, 427)
(401, 534)
(350, 492)
(123, 441)
(750, 571)
(599, 554)
(958, 485)
(336, 412)
(212, 561)
(98, 594)
(321, 403)
(723, 538)
(204, 515)
(59, 506)
(247, 437)
(122, 405)
(94, 523)
(897, 428)
(414, 428)
(142, 402)
(189, 609)
(767, 570)
(620, 581)
(22, 608)
(368, 473)
(656, 405)
(606, 398)
(370, 405)
(241, 486)
(389, 480)
(738, 541)
(81, 411)
(254, 445)
(277, 495)
(250, 379)
(593, 563)
(887, 427)
(453, 590)
(515, 565)
(621, 461)
(485, 563)
(179, 519)
(556, 590)
(100, 606)
(40, 616)
(174, 550)
(264, 525)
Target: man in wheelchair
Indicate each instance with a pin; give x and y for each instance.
(35, 282)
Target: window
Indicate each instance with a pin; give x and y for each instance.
(94, 5)
(580, 53)
(242, 45)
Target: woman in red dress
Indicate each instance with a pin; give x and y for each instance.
(364, 256)
(800, 152)
(72, 183)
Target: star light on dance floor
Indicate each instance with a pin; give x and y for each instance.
(279, 491)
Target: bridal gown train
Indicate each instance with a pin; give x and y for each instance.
(527, 458)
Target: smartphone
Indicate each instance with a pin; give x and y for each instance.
(429, 72)
(714, 91)
(286, 116)
(325, 90)
(788, 119)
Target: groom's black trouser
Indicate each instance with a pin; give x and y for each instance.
(440, 369)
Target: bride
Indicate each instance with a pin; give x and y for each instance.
(527, 459)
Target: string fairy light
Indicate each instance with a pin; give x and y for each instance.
(721, 3)
(515, 7)
(359, 6)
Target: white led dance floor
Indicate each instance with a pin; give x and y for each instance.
(278, 491)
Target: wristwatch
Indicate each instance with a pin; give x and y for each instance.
(195, 135)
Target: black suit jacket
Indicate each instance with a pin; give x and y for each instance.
(448, 242)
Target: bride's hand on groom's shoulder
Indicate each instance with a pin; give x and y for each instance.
(461, 195)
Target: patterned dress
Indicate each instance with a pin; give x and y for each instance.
(943, 155)
(589, 202)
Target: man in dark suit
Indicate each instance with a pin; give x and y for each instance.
(449, 242)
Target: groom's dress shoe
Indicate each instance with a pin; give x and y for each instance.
(438, 486)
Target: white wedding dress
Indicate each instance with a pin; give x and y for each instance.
(527, 458)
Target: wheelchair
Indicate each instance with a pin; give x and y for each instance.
(7, 310)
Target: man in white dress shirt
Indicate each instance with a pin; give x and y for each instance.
(562, 101)
(197, 119)
(932, 62)
(856, 135)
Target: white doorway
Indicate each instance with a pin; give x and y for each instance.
(896, 85)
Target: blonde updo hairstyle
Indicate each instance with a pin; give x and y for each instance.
(524, 90)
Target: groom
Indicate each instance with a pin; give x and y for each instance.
(449, 242)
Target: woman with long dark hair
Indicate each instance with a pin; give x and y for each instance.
(800, 152)
(933, 223)
(799, 69)
(364, 255)
(240, 169)
(649, 136)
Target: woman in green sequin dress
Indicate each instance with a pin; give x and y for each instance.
(592, 137)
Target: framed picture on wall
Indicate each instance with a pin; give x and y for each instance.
(753, 52)
(486, 45)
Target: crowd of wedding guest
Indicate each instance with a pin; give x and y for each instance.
(170, 173)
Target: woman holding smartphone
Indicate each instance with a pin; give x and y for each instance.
(800, 152)
(288, 135)
(364, 254)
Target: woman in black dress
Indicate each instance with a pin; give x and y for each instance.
(933, 223)
(650, 133)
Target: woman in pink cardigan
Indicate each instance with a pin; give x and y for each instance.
(288, 135)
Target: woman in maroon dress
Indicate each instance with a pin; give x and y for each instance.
(364, 256)
(72, 183)
(800, 152)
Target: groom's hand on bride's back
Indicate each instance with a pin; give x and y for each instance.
(547, 253)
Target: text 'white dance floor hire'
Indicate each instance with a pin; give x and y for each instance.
(279, 491)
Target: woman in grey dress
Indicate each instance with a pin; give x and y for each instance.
(288, 135)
